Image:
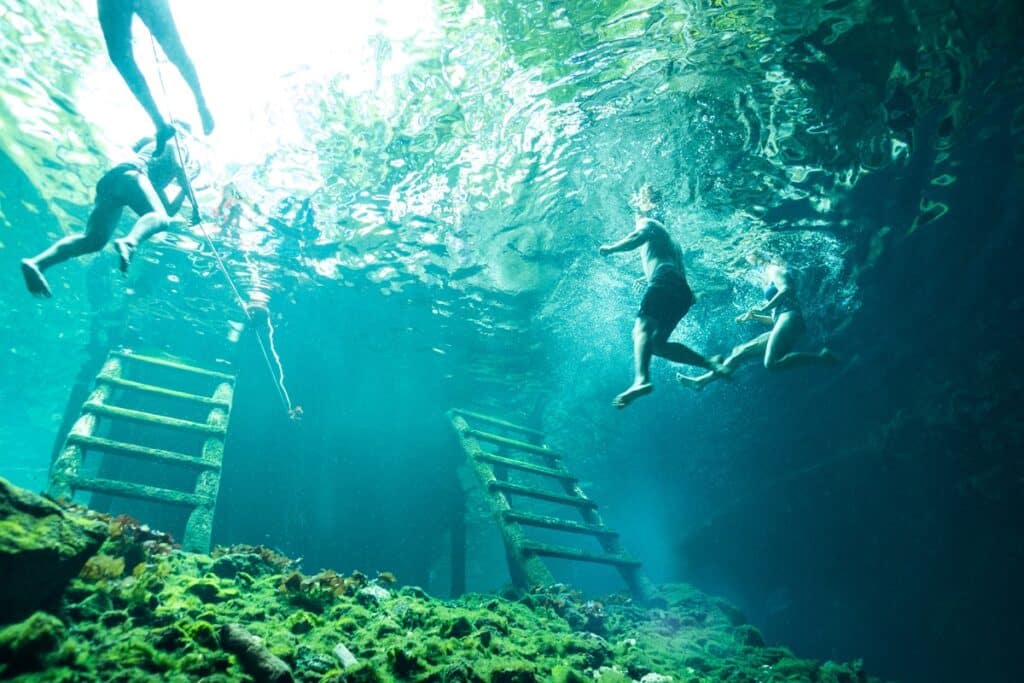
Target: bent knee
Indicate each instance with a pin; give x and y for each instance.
(771, 363)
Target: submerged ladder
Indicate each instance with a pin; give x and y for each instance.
(119, 379)
(494, 447)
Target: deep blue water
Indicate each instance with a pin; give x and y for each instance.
(870, 510)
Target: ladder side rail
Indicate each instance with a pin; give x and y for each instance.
(66, 468)
(526, 569)
(199, 528)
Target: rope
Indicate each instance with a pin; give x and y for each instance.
(277, 374)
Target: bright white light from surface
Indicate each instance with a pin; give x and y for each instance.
(256, 59)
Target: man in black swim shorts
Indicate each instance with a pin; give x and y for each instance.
(666, 301)
(138, 184)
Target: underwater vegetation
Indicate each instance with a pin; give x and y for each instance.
(119, 603)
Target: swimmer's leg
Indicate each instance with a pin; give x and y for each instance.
(643, 340)
(156, 15)
(116, 23)
(154, 221)
(746, 351)
(102, 221)
(778, 356)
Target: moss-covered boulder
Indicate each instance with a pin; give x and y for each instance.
(42, 548)
(25, 646)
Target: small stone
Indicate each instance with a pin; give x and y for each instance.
(372, 595)
(345, 656)
(656, 678)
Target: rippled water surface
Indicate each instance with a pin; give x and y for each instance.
(480, 149)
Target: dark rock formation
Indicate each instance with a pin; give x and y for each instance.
(42, 548)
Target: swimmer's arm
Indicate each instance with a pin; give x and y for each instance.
(171, 206)
(632, 241)
(757, 317)
(184, 180)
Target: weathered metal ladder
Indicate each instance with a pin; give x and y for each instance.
(114, 380)
(491, 468)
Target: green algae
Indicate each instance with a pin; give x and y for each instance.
(164, 619)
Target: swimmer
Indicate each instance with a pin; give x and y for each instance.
(138, 184)
(666, 301)
(781, 311)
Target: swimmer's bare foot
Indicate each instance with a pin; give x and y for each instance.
(163, 134)
(125, 252)
(631, 394)
(206, 117)
(695, 383)
(34, 279)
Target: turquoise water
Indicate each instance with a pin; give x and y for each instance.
(464, 160)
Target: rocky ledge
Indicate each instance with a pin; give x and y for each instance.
(102, 599)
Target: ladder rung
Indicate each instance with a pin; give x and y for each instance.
(152, 418)
(579, 555)
(129, 490)
(164, 362)
(541, 494)
(142, 452)
(151, 389)
(558, 524)
(526, 466)
(499, 422)
(511, 443)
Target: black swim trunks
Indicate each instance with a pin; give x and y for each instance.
(110, 185)
(667, 299)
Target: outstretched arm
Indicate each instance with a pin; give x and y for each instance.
(630, 242)
(759, 317)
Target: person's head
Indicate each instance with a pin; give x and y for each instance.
(647, 199)
(763, 259)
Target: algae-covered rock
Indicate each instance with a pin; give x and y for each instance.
(41, 549)
(165, 620)
(255, 658)
(24, 646)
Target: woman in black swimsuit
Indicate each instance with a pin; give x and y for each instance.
(781, 311)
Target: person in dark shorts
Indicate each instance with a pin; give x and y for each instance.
(116, 22)
(666, 301)
(138, 184)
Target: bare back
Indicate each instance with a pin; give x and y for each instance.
(659, 248)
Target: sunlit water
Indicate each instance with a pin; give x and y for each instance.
(464, 159)
(478, 152)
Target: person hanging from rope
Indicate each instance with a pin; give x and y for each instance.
(139, 184)
(116, 21)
